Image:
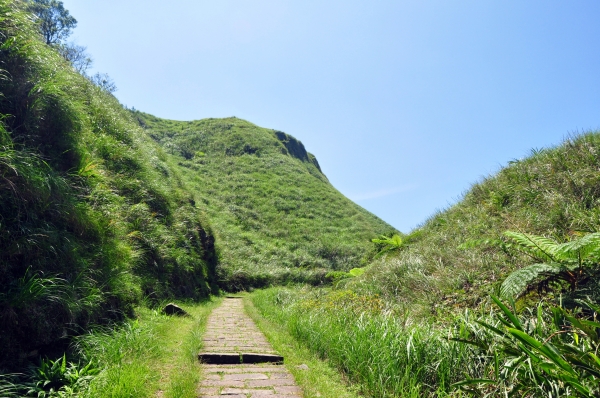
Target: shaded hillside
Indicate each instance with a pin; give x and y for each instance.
(460, 255)
(92, 218)
(276, 216)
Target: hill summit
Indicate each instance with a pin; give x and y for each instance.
(276, 216)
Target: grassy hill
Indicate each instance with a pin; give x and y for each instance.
(103, 208)
(92, 217)
(275, 215)
(460, 255)
(401, 328)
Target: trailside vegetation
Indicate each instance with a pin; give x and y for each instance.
(529, 235)
(461, 255)
(92, 217)
(103, 209)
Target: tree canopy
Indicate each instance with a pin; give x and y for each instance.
(53, 18)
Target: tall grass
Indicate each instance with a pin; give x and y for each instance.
(387, 355)
(153, 354)
(90, 212)
(547, 351)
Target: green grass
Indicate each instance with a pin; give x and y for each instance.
(91, 214)
(101, 206)
(545, 351)
(152, 355)
(276, 217)
(460, 256)
(155, 353)
(385, 355)
(316, 377)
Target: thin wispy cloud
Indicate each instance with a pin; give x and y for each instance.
(380, 193)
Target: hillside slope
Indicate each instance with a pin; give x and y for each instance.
(460, 255)
(276, 216)
(92, 218)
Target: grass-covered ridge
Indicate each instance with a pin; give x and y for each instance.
(424, 320)
(92, 217)
(461, 255)
(275, 215)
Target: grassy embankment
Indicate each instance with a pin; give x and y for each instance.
(460, 256)
(153, 355)
(276, 217)
(92, 217)
(389, 328)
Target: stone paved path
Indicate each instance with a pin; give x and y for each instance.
(230, 330)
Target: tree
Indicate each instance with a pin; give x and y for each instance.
(54, 21)
(77, 56)
(55, 24)
(103, 81)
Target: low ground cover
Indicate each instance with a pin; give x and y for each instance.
(152, 355)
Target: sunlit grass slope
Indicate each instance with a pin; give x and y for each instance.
(275, 215)
(391, 329)
(92, 217)
(460, 255)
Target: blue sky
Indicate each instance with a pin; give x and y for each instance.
(404, 103)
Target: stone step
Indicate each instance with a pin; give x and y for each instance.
(232, 358)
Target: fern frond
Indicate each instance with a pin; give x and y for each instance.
(393, 243)
(517, 282)
(396, 240)
(583, 248)
(536, 246)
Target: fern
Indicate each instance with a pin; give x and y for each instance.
(580, 250)
(539, 247)
(394, 241)
(572, 261)
(517, 282)
(8, 388)
(356, 272)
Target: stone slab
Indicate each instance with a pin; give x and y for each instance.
(220, 358)
(248, 357)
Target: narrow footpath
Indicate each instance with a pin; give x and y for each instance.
(238, 360)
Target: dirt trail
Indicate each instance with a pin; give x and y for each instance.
(232, 338)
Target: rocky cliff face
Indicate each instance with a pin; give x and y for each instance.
(296, 149)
